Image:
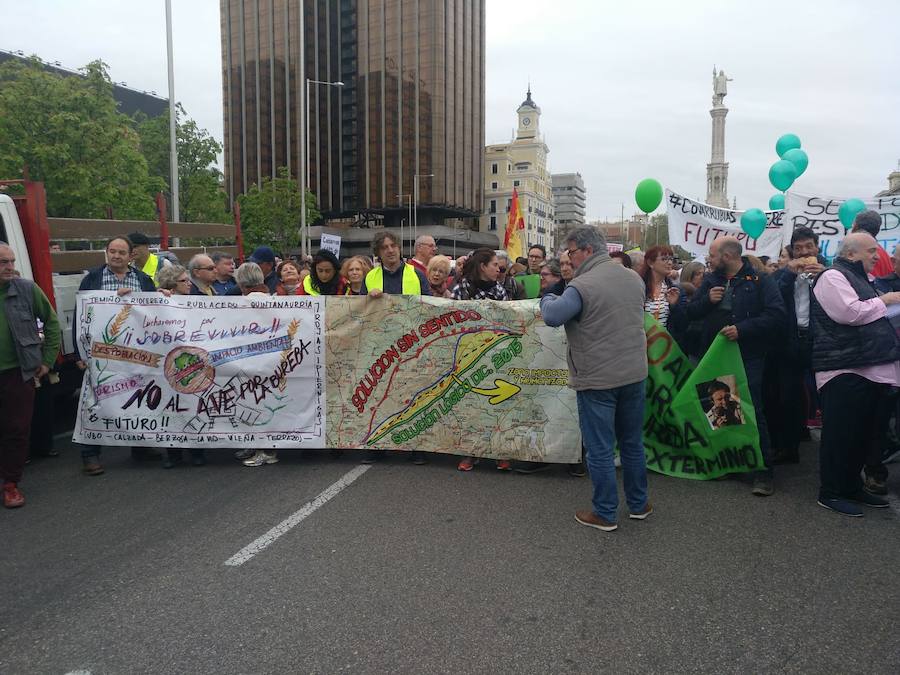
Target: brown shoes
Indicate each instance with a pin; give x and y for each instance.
(92, 467)
(643, 513)
(591, 519)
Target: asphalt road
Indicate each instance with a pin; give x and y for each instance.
(425, 569)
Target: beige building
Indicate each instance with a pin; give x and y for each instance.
(520, 164)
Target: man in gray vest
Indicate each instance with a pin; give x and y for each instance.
(23, 358)
(602, 310)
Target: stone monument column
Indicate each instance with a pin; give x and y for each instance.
(717, 169)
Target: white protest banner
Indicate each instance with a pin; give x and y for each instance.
(821, 215)
(196, 371)
(612, 246)
(331, 242)
(694, 226)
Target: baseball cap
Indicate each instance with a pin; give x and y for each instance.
(263, 254)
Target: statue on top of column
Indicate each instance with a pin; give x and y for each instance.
(720, 87)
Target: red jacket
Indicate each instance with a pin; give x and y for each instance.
(884, 266)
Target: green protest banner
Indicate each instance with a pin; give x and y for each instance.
(698, 422)
(532, 284)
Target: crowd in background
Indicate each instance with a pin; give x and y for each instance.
(766, 305)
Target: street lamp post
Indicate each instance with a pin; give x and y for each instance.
(416, 202)
(304, 174)
(409, 201)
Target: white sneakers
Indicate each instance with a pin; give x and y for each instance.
(260, 458)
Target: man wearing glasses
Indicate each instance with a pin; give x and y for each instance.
(551, 278)
(602, 309)
(203, 274)
(514, 290)
(24, 358)
(537, 254)
(425, 250)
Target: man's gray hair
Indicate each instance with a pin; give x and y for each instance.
(421, 239)
(194, 262)
(217, 256)
(167, 276)
(868, 221)
(248, 275)
(502, 255)
(586, 236)
(852, 243)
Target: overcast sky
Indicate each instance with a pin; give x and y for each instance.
(624, 89)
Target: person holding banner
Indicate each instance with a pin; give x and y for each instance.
(396, 277)
(437, 272)
(746, 307)
(855, 354)
(324, 277)
(602, 310)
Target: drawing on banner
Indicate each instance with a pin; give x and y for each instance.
(820, 214)
(720, 402)
(478, 378)
(180, 371)
(694, 226)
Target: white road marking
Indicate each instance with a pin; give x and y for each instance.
(295, 519)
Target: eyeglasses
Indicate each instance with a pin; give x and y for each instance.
(570, 251)
(183, 281)
(502, 270)
(547, 274)
(666, 258)
(535, 257)
(211, 268)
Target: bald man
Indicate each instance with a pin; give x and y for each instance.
(855, 355)
(745, 307)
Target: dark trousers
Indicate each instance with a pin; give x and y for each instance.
(42, 419)
(875, 467)
(850, 406)
(755, 368)
(785, 402)
(16, 407)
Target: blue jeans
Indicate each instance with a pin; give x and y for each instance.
(605, 416)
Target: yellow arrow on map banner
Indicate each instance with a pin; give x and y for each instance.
(501, 390)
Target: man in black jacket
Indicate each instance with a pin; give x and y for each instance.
(790, 361)
(745, 307)
(120, 276)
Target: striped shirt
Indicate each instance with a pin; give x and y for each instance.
(110, 282)
(658, 307)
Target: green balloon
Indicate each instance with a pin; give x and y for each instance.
(785, 143)
(648, 194)
(776, 202)
(753, 222)
(798, 158)
(848, 210)
(782, 174)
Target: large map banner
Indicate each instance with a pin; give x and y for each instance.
(480, 378)
(193, 371)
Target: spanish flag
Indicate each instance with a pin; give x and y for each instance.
(512, 242)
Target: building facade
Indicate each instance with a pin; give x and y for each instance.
(521, 165)
(569, 202)
(405, 124)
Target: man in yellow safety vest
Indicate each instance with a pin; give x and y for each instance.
(395, 276)
(146, 262)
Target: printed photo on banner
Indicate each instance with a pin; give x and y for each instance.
(720, 402)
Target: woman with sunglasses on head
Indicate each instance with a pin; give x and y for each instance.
(324, 276)
(175, 280)
(478, 281)
(663, 298)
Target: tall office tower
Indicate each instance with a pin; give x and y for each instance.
(569, 203)
(407, 123)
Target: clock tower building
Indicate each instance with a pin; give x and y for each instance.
(520, 164)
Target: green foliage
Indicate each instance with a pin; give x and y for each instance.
(70, 135)
(270, 212)
(202, 199)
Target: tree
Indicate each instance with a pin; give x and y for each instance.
(69, 134)
(201, 197)
(270, 212)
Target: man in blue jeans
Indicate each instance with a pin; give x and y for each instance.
(602, 310)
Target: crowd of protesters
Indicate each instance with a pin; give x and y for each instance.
(816, 344)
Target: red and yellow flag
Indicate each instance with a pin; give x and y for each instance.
(512, 242)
